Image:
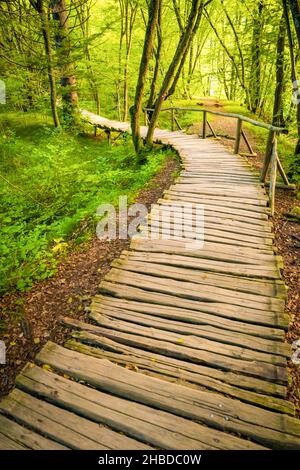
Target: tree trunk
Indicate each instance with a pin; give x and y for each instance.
(136, 109)
(278, 119)
(83, 13)
(293, 64)
(255, 77)
(68, 80)
(295, 9)
(176, 65)
(43, 13)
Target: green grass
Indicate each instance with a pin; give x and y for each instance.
(50, 182)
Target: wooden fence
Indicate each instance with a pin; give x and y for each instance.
(271, 160)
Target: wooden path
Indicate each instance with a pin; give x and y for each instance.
(186, 346)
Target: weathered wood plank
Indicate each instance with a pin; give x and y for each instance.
(149, 264)
(214, 208)
(187, 339)
(215, 289)
(212, 333)
(67, 428)
(9, 444)
(265, 427)
(25, 437)
(255, 369)
(208, 301)
(147, 424)
(190, 214)
(187, 231)
(257, 273)
(148, 303)
(206, 312)
(211, 251)
(183, 372)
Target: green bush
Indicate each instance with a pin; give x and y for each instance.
(50, 182)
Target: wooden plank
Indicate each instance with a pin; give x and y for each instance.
(9, 444)
(154, 264)
(209, 300)
(220, 212)
(192, 290)
(197, 189)
(173, 369)
(268, 372)
(166, 230)
(25, 437)
(165, 331)
(260, 204)
(67, 428)
(141, 301)
(211, 251)
(208, 332)
(210, 200)
(256, 272)
(153, 426)
(215, 208)
(205, 313)
(265, 427)
(229, 227)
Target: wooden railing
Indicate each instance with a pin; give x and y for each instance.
(271, 160)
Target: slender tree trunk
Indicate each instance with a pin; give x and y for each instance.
(295, 9)
(255, 76)
(83, 13)
(68, 80)
(43, 13)
(278, 119)
(136, 109)
(176, 65)
(131, 8)
(293, 68)
(158, 52)
(239, 74)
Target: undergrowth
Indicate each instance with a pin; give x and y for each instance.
(51, 183)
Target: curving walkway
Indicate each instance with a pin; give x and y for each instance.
(199, 330)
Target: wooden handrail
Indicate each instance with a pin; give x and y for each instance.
(270, 127)
(271, 159)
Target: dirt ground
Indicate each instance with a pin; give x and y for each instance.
(33, 318)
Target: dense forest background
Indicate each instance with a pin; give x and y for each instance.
(97, 45)
(116, 57)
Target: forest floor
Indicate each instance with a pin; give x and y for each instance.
(287, 234)
(67, 293)
(30, 319)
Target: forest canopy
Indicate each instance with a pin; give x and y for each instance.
(91, 50)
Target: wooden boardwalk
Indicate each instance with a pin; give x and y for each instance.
(186, 346)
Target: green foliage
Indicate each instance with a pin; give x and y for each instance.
(286, 144)
(50, 182)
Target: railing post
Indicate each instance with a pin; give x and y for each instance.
(268, 155)
(108, 134)
(204, 125)
(238, 136)
(273, 175)
(172, 119)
